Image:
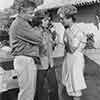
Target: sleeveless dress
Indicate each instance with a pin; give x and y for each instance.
(73, 66)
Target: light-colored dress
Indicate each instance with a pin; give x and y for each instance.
(73, 66)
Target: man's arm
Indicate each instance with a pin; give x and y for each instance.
(25, 31)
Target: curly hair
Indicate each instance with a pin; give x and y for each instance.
(67, 11)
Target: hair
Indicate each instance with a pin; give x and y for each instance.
(26, 4)
(73, 18)
(39, 16)
(36, 21)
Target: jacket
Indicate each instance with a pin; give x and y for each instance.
(24, 40)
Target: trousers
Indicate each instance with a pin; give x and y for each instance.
(58, 70)
(27, 74)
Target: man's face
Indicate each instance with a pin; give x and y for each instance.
(29, 13)
(45, 21)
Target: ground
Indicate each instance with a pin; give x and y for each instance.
(92, 76)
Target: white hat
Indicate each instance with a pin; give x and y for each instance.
(49, 4)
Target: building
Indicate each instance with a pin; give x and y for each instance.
(87, 10)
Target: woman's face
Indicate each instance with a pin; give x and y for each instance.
(45, 21)
(66, 21)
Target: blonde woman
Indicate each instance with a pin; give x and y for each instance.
(73, 66)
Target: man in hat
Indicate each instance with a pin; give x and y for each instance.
(75, 41)
(25, 42)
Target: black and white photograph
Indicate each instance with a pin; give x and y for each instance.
(49, 49)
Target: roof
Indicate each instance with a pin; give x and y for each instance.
(85, 2)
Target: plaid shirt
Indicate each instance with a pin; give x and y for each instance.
(46, 50)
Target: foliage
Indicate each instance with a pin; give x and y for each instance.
(90, 41)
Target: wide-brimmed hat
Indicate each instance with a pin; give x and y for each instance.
(67, 11)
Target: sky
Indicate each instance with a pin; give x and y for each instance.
(5, 3)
